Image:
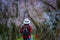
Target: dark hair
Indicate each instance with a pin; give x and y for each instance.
(26, 24)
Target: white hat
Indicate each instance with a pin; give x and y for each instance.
(26, 21)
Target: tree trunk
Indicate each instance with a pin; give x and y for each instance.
(13, 32)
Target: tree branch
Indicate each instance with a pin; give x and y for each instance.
(49, 5)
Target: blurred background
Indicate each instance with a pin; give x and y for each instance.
(43, 14)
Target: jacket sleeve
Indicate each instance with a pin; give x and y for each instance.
(21, 29)
(30, 29)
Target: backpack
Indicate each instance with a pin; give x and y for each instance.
(26, 30)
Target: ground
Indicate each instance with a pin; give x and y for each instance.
(32, 38)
